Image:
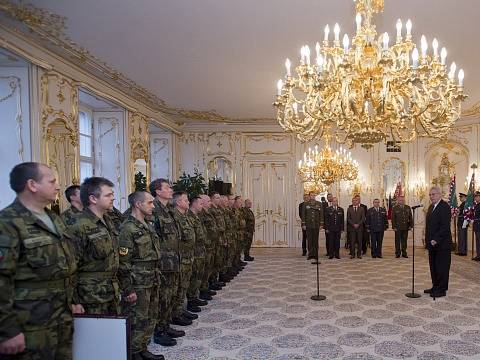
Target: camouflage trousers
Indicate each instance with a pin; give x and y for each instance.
(109, 308)
(248, 243)
(183, 284)
(168, 290)
(209, 257)
(217, 263)
(143, 317)
(198, 269)
(53, 343)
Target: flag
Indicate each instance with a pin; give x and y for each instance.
(452, 197)
(469, 209)
(389, 212)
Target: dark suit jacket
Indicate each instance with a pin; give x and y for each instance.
(300, 209)
(460, 217)
(438, 227)
(334, 220)
(476, 222)
(355, 217)
(376, 221)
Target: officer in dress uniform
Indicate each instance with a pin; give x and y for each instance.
(334, 226)
(461, 231)
(476, 226)
(376, 223)
(312, 221)
(304, 231)
(402, 221)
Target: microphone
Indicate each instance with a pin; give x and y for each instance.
(417, 206)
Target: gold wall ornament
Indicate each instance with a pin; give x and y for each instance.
(59, 129)
(473, 111)
(14, 84)
(139, 147)
(371, 91)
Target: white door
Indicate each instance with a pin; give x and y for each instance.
(270, 187)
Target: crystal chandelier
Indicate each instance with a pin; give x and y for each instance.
(371, 91)
(315, 187)
(327, 166)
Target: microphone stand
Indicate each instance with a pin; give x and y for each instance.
(413, 294)
(318, 297)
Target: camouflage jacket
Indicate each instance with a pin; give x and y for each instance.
(200, 234)
(117, 218)
(242, 223)
(169, 235)
(96, 245)
(36, 267)
(402, 218)
(68, 216)
(187, 236)
(210, 225)
(217, 212)
(250, 220)
(139, 250)
(232, 225)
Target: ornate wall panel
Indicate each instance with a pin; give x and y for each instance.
(267, 144)
(161, 155)
(15, 120)
(59, 128)
(138, 140)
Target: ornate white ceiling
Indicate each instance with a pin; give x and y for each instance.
(227, 55)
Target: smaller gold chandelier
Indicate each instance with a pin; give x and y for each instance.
(327, 166)
(313, 187)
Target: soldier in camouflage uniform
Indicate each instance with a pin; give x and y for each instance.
(199, 255)
(231, 236)
(216, 211)
(242, 225)
(250, 230)
(138, 274)
(169, 262)
(187, 252)
(402, 222)
(36, 265)
(312, 221)
(208, 221)
(96, 244)
(72, 193)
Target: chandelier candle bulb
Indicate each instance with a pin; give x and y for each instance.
(279, 87)
(461, 76)
(319, 64)
(295, 109)
(453, 68)
(408, 26)
(307, 54)
(415, 58)
(443, 55)
(435, 48)
(336, 31)
(287, 66)
(386, 39)
(326, 32)
(317, 49)
(399, 30)
(424, 46)
(358, 20)
(346, 43)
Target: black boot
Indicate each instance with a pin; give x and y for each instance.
(146, 355)
(189, 315)
(161, 338)
(193, 309)
(214, 286)
(174, 333)
(198, 302)
(181, 321)
(205, 296)
(248, 258)
(211, 292)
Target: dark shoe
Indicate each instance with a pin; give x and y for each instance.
(337, 257)
(310, 257)
(214, 287)
(374, 256)
(438, 294)
(164, 340)
(397, 256)
(193, 309)
(221, 284)
(224, 278)
(476, 258)
(405, 256)
(211, 292)
(248, 258)
(181, 321)
(352, 257)
(330, 257)
(358, 256)
(174, 333)
(304, 253)
(243, 263)
(205, 296)
(379, 256)
(198, 302)
(427, 291)
(146, 355)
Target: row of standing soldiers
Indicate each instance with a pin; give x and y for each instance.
(147, 263)
(364, 225)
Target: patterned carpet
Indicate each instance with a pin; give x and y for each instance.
(266, 312)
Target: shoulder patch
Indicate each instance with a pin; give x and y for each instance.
(123, 251)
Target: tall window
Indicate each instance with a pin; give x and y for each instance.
(86, 145)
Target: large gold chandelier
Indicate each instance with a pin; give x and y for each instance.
(327, 166)
(371, 91)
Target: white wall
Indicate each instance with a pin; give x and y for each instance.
(15, 125)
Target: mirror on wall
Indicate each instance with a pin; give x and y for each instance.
(220, 168)
(394, 173)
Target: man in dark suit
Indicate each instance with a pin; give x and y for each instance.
(366, 234)
(376, 223)
(476, 226)
(438, 238)
(355, 224)
(334, 226)
(304, 231)
(461, 231)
